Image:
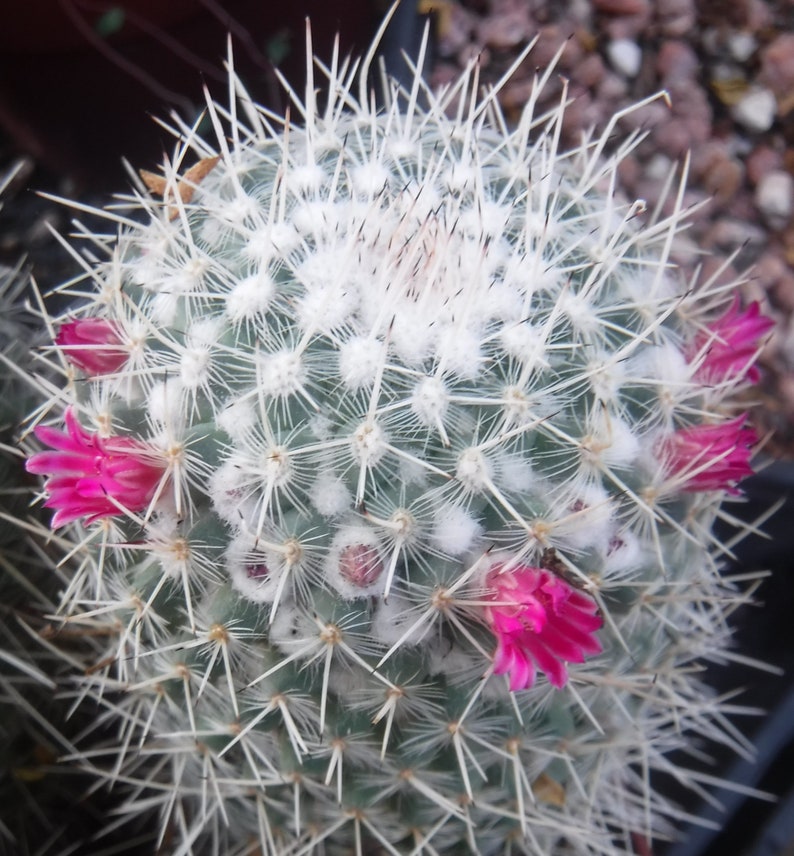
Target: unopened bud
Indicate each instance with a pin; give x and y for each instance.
(360, 565)
(259, 571)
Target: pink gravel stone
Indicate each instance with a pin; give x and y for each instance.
(759, 15)
(471, 53)
(648, 116)
(629, 172)
(622, 7)
(590, 71)
(457, 31)
(777, 279)
(713, 266)
(505, 31)
(777, 66)
(723, 180)
(676, 18)
(674, 138)
(613, 87)
(676, 63)
(761, 160)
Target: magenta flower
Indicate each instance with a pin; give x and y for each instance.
(539, 621)
(710, 457)
(92, 345)
(728, 349)
(91, 476)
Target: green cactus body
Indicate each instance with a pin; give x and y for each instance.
(381, 359)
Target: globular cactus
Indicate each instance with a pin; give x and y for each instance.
(389, 448)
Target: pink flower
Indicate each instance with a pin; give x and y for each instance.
(539, 621)
(92, 476)
(710, 457)
(92, 345)
(729, 348)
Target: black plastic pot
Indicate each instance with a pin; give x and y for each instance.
(746, 825)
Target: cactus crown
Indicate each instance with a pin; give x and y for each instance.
(388, 466)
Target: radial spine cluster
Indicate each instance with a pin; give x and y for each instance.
(388, 449)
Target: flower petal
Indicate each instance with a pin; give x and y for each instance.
(540, 621)
(93, 477)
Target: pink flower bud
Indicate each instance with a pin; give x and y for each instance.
(91, 476)
(257, 571)
(539, 621)
(728, 349)
(92, 345)
(360, 565)
(710, 457)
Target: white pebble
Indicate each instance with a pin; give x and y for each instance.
(625, 56)
(756, 109)
(774, 196)
(742, 45)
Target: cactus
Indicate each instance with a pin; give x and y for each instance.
(16, 338)
(32, 799)
(389, 446)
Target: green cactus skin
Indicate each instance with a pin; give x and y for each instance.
(378, 352)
